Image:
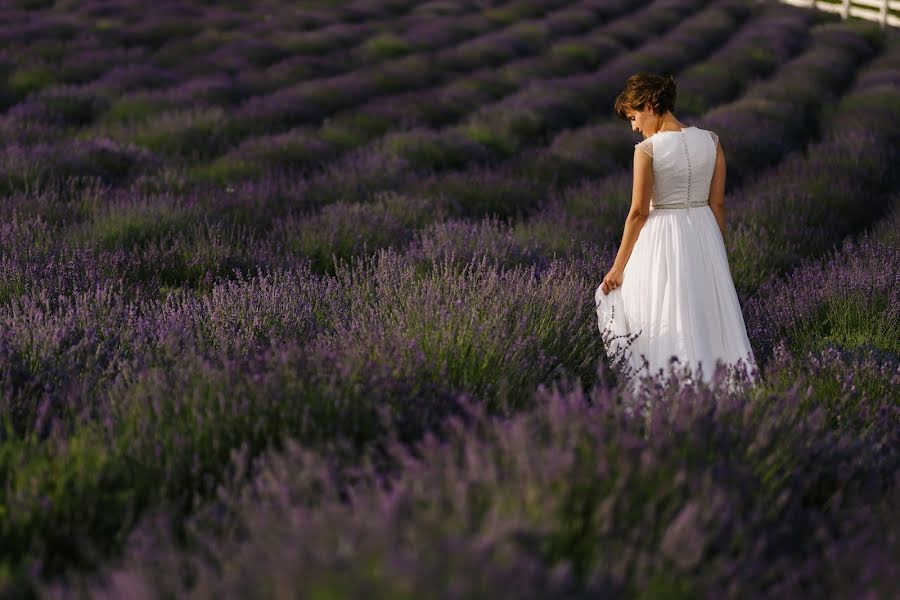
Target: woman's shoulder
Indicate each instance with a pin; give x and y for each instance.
(646, 145)
(712, 134)
(700, 129)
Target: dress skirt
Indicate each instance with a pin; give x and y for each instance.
(678, 296)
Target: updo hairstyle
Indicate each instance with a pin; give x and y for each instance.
(646, 87)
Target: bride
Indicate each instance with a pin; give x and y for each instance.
(669, 297)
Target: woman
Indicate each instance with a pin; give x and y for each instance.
(669, 296)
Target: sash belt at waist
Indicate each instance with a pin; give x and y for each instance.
(680, 205)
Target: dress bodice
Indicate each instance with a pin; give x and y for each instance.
(683, 163)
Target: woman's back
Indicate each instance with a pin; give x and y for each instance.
(683, 163)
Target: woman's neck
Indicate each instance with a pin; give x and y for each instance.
(668, 122)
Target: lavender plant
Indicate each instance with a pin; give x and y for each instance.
(263, 292)
(713, 493)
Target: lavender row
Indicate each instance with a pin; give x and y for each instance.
(180, 37)
(827, 317)
(599, 148)
(325, 144)
(572, 54)
(347, 228)
(602, 145)
(305, 146)
(384, 112)
(325, 259)
(311, 101)
(594, 211)
(512, 127)
(368, 350)
(764, 124)
(582, 213)
(854, 164)
(399, 150)
(427, 150)
(838, 186)
(593, 493)
(101, 63)
(503, 127)
(143, 377)
(371, 355)
(177, 126)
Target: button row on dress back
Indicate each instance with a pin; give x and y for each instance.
(688, 157)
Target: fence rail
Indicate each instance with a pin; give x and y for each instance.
(886, 12)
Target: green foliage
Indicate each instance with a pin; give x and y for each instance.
(160, 31)
(502, 15)
(433, 152)
(129, 227)
(135, 108)
(353, 129)
(188, 134)
(485, 193)
(474, 325)
(575, 55)
(27, 79)
(504, 134)
(411, 72)
(75, 109)
(344, 230)
(853, 386)
(849, 321)
(385, 45)
(224, 170)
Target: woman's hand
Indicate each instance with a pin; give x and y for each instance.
(612, 280)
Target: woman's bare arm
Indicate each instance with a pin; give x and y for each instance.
(717, 189)
(640, 206)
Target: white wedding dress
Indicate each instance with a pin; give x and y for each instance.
(677, 297)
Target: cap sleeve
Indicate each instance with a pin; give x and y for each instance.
(646, 146)
(715, 138)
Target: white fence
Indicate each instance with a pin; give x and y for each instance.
(886, 12)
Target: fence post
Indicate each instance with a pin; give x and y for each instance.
(884, 13)
(845, 10)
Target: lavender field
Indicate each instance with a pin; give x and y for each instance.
(297, 300)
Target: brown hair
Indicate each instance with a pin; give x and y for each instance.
(646, 87)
